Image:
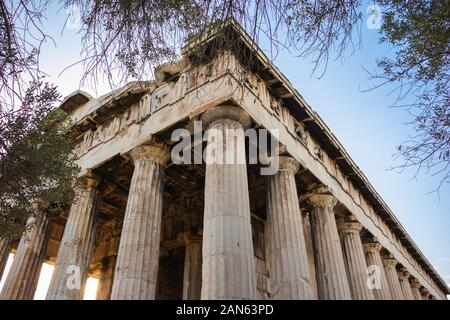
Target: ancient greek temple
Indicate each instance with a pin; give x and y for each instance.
(149, 228)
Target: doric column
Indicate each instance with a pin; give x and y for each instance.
(5, 249)
(375, 267)
(74, 255)
(105, 281)
(403, 276)
(192, 278)
(289, 270)
(332, 281)
(415, 289)
(425, 294)
(22, 279)
(355, 260)
(228, 269)
(392, 278)
(137, 261)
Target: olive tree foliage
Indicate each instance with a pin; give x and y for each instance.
(420, 32)
(37, 166)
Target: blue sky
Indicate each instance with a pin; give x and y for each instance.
(363, 121)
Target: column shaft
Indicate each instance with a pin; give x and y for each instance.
(192, 279)
(404, 284)
(22, 279)
(74, 255)
(289, 270)
(332, 281)
(392, 279)
(355, 260)
(228, 270)
(105, 281)
(5, 249)
(415, 289)
(138, 258)
(425, 294)
(379, 283)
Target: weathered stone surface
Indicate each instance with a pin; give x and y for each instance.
(137, 261)
(332, 281)
(355, 260)
(74, 255)
(289, 269)
(21, 282)
(403, 277)
(106, 278)
(192, 275)
(374, 262)
(392, 278)
(5, 249)
(228, 270)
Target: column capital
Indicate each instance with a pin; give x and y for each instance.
(372, 246)
(351, 226)
(403, 273)
(87, 180)
(415, 284)
(389, 262)
(222, 112)
(155, 151)
(39, 204)
(425, 293)
(288, 163)
(321, 200)
(188, 238)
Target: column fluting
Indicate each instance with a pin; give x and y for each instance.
(75, 251)
(355, 260)
(392, 278)
(380, 286)
(228, 269)
(403, 277)
(289, 269)
(415, 289)
(332, 281)
(5, 250)
(138, 258)
(23, 276)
